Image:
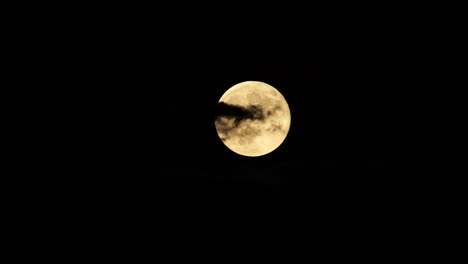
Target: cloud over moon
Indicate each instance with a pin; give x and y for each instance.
(228, 120)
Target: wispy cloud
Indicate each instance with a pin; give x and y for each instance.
(229, 117)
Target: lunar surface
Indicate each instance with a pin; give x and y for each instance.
(252, 118)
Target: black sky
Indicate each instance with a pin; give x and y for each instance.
(123, 109)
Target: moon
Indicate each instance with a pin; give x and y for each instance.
(252, 118)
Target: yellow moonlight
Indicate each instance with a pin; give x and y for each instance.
(252, 118)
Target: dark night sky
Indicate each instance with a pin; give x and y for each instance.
(122, 111)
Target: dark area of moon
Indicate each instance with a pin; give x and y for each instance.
(238, 113)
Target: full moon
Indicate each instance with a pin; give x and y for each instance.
(252, 118)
